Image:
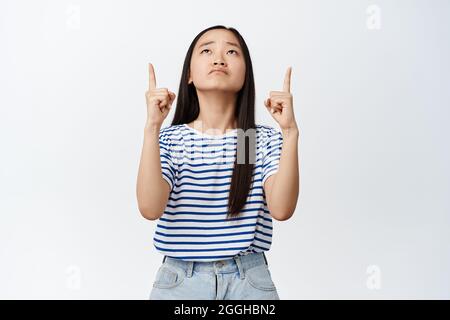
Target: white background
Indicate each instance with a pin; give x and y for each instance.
(372, 220)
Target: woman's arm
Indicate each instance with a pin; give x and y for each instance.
(282, 188)
(152, 189)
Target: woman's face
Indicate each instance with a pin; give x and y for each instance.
(217, 49)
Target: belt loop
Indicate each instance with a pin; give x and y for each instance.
(164, 259)
(265, 259)
(190, 268)
(238, 260)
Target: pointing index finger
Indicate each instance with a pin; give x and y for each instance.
(152, 78)
(287, 80)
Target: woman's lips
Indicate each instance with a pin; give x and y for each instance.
(218, 71)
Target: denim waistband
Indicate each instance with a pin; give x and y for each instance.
(239, 263)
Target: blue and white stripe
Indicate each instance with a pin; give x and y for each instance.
(198, 169)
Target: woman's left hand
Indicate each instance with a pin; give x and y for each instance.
(280, 104)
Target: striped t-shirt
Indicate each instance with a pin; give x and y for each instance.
(198, 168)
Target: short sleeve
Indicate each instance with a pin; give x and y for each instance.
(167, 164)
(271, 154)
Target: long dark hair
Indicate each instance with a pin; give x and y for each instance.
(188, 109)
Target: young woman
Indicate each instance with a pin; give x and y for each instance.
(215, 194)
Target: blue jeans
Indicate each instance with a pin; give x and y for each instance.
(240, 278)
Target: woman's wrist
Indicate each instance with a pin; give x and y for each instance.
(290, 132)
(152, 127)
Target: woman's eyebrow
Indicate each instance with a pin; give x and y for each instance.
(228, 42)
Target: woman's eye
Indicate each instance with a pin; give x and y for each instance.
(228, 50)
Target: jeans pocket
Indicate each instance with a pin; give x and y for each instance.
(168, 276)
(260, 278)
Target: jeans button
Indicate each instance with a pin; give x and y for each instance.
(219, 264)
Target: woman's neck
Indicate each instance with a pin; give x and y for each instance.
(217, 110)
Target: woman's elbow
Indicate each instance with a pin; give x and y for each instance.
(281, 213)
(150, 214)
(281, 216)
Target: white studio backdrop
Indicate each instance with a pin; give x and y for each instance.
(370, 82)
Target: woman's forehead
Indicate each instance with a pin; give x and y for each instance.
(215, 36)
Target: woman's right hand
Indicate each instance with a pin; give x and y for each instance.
(159, 100)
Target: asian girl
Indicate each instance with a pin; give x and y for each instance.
(215, 212)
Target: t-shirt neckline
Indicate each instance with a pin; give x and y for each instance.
(228, 133)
